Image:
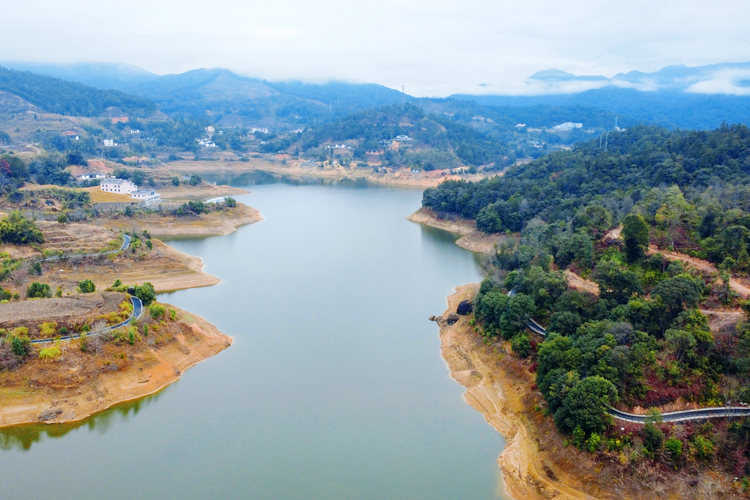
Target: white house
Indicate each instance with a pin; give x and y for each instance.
(109, 143)
(403, 138)
(145, 194)
(121, 186)
(93, 175)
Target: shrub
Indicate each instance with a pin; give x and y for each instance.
(674, 448)
(17, 229)
(231, 202)
(49, 352)
(146, 293)
(145, 330)
(62, 219)
(172, 314)
(86, 286)
(38, 290)
(83, 343)
(593, 442)
(157, 311)
(21, 345)
(704, 448)
(48, 329)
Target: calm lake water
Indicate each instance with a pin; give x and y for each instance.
(334, 387)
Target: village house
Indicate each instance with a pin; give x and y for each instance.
(91, 175)
(121, 186)
(145, 195)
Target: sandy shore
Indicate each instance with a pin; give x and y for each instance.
(213, 224)
(148, 371)
(471, 239)
(498, 393)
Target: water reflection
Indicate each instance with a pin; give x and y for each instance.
(265, 177)
(22, 437)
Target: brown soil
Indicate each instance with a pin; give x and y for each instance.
(581, 284)
(536, 464)
(76, 385)
(75, 307)
(471, 239)
(164, 267)
(212, 224)
(199, 192)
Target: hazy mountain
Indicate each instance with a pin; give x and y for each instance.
(56, 95)
(676, 96)
(102, 75)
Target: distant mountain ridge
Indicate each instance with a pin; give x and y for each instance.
(226, 97)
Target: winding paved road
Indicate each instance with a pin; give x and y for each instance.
(685, 416)
(125, 245)
(137, 312)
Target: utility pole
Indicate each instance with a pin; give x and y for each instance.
(606, 141)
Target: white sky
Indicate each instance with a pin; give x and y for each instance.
(434, 48)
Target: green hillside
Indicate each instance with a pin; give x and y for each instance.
(650, 336)
(59, 96)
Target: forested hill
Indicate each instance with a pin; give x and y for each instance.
(59, 96)
(426, 132)
(712, 166)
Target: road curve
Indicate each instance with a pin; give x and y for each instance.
(685, 416)
(137, 312)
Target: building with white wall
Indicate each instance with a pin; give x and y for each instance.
(121, 186)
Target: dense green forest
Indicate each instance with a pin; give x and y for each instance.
(642, 340)
(59, 96)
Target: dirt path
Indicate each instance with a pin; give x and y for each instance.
(581, 284)
(701, 265)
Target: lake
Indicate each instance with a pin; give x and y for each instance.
(334, 387)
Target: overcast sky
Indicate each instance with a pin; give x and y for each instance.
(434, 48)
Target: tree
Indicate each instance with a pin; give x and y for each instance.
(38, 290)
(175, 181)
(231, 202)
(586, 406)
(75, 158)
(195, 180)
(678, 293)
(635, 236)
(16, 228)
(616, 282)
(146, 293)
(86, 286)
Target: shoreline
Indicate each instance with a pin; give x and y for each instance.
(471, 239)
(293, 170)
(204, 225)
(152, 371)
(485, 371)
